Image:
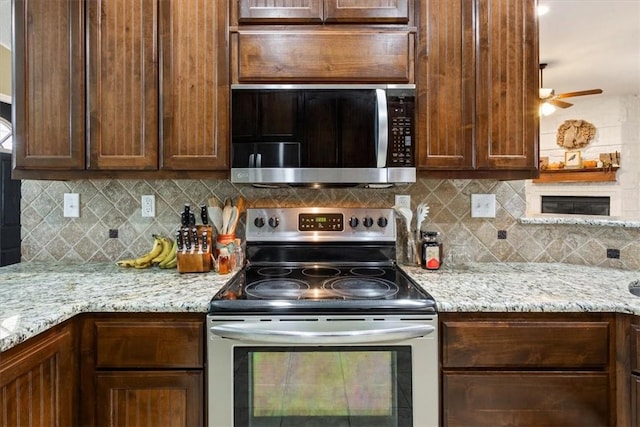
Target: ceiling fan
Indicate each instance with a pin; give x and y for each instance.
(548, 96)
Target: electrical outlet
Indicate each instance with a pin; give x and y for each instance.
(483, 205)
(71, 205)
(148, 206)
(403, 201)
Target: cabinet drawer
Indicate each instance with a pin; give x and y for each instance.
(526, 399)
(322, 56)
(149, 344)
(526, 344)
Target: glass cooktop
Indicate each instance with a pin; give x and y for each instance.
(269, 288)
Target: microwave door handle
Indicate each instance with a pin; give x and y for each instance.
(383, 128)
(258, 332)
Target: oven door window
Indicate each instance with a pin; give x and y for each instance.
(322, 386)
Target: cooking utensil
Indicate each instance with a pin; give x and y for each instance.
(406, 214)
(240, 208)
(226, 216)
(215, 213)
(421, 214)
(233, 221)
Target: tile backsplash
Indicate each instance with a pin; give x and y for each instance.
(115, 205)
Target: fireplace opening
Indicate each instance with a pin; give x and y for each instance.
(578, 205)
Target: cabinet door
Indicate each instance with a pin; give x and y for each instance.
(37, 382)
(446, 86)
(154, 398)
(317, 11)
(195, 85)
(478, 83)
(49, 85)
(306, 55)
(507, 81)
(526, 399)
(383, 11)
(285, 11)
(123, 84)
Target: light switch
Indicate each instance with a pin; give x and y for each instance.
(71, 205)
(483, 205)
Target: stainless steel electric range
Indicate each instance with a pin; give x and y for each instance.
(321, 327)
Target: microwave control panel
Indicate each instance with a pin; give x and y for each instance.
(401, 132)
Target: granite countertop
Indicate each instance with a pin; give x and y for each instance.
(559, 219)
(37, 296)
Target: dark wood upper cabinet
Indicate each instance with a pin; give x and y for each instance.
(121, 48)
(49, 92)
(268, 45)
(317, 11)
(477, 84)
(195, 84)
(316, 55)
(123, 84)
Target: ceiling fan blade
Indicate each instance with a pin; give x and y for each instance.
(578, 93)
(559, 104)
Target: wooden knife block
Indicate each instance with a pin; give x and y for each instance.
(197, 262)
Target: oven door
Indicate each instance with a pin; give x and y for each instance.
(323, 371)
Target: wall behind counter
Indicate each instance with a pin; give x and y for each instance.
(115, 205)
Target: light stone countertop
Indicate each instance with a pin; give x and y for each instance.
(558, 219)
(36, 296)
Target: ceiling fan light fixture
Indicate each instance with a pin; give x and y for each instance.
(546, 109)
(545, 92)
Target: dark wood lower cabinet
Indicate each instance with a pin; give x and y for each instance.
(153, 398)
(635, 400)
(38, 382)
(526, 399)
(528, 369)
(143, 369)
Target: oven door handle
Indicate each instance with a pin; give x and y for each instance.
(314, 333)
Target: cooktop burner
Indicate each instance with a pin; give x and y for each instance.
(356, 287)
(362, 287)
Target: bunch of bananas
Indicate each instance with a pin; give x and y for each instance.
(163, 253)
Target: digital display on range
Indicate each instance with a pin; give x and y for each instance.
(320, 222)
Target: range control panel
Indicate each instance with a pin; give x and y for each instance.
(320, 224)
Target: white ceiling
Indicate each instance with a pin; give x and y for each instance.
(591, 44)
(587, 44)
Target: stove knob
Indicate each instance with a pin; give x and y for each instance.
(353, 222)
(382, 221)
(273, 222)
(367, 221)
(259, 222)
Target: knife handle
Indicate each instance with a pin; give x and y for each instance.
(204, 215)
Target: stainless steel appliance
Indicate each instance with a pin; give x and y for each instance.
(321, 327)
(322, 134)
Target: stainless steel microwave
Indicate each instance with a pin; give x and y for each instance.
(323, 134)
